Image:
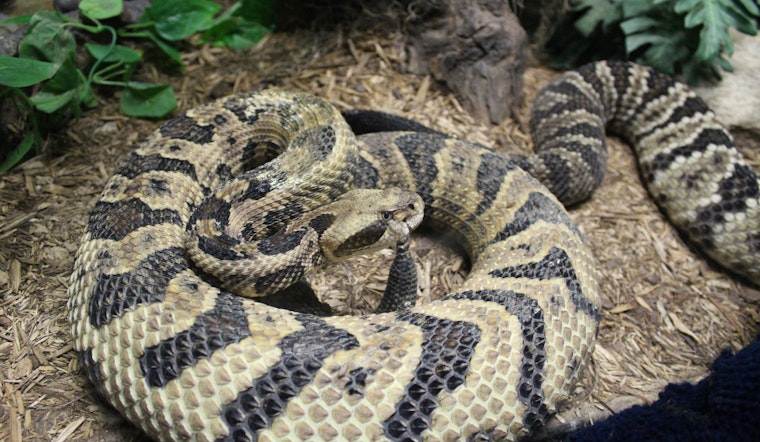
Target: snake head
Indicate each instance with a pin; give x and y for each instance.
(367, 220)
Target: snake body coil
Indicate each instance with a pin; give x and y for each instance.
(183, 358)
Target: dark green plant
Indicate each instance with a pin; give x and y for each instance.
(689, 38)
(46, 85)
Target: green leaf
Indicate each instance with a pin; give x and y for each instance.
(682, 6)
(634, 42)
(178, 19)
(150, 34)
(240, 26)
(227, 14)
(147, 100)
(725, 64)
(225, 24)
(49, 102)
(235, 33)
(30, 140)
(20, 20)
(635, 8)
(67, 87)
(598, 13)
(113, 54)
(711, 43)
(666, 53)
(649, 26)
(638, 24)
(89, 99)
(23, 72)
(715, 17)
(686, 37)
(259, 11)
(741, 21)
(47, 39)
(100, 9)
(166, 48)
(751, 7)
(67, 77)
(242, 40)
(714, 31)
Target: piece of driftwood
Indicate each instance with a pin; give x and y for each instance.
(540, 18)
(477, 48)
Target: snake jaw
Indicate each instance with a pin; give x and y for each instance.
(411, 219)
(368, 220)
(414, 221)
(407, 216)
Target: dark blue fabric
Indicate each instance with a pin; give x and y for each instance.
(725, 406)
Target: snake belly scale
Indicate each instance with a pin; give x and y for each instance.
(186, 359)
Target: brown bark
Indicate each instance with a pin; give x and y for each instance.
(477, 48)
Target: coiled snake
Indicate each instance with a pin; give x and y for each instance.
(163, 338)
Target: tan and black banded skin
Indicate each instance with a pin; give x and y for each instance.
(687, 159)
(184, 359)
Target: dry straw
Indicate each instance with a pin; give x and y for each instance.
(667, 313)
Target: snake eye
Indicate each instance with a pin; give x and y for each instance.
(387, 215)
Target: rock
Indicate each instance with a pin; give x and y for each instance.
(131, 11)
(10, 38)
(64, 6)
(736, 98)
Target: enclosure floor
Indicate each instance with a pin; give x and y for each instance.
(667, 313)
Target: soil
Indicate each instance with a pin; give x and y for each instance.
(667, 312)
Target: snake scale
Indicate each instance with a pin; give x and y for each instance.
(178, 354)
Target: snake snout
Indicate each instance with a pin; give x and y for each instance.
(414, 217)
(413, 212)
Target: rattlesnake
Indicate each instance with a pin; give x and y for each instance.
(183, 358)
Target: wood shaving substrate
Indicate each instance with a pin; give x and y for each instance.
(667, 312)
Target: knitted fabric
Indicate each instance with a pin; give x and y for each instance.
(724, 406)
